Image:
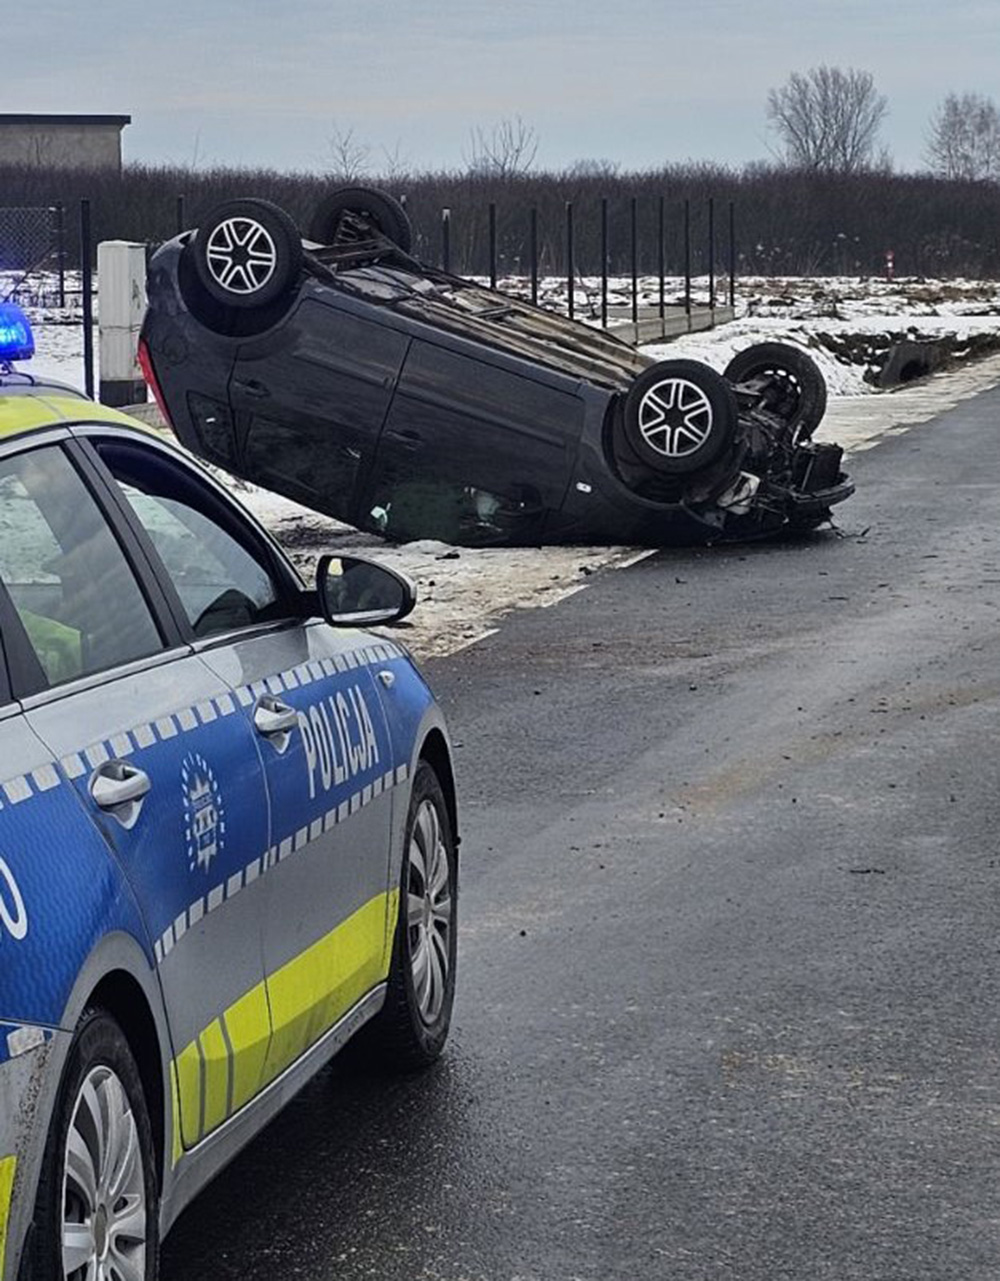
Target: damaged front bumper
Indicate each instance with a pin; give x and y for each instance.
(28, 1080)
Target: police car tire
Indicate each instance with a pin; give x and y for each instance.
(276, 240)
(398, 1038)
(381, 211)
(697, 394)
(793, 386)
(97, 1042)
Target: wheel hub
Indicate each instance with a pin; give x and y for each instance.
(241, 255)
(675, 417)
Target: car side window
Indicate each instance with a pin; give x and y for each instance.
(222, 582)
(64, 569)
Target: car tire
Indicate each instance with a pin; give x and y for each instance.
(247, 254)
(787, 381)
(679, 416)
(368, 211)
(410, 1030)
(106, 1212)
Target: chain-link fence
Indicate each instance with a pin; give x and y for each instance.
(32, 254)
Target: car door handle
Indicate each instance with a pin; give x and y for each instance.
(251, 388)
(116, 784)
(273, 717)
(410, 440)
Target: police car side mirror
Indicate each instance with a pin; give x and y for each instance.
(354, 592)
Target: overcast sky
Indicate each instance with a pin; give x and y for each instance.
(639, 82)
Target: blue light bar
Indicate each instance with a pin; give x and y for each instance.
(17, 342)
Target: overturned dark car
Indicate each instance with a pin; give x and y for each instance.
(340, 372)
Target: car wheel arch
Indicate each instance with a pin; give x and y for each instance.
(118, 978)
(434, 750)
(123, 998)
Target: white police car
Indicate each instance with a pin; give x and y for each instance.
(227, 831)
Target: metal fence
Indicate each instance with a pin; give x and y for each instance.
(614, 268)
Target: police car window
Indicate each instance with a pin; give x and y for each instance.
(65, 572)
(222, 584)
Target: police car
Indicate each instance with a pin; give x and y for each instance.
(228, 831)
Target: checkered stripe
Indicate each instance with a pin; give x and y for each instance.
(258, 867)
(22, 787)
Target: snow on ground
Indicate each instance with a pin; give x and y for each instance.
(465, 592)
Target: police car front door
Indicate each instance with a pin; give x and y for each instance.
(306, 696)
(163, 763)
(331, 780)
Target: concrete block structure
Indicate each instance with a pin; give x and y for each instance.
(62, 142)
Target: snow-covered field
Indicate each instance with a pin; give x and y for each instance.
(845, 324)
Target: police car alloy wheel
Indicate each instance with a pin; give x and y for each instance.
(97, 1210)
(247, 253)
(429, 912)
(679, 415)
(412, 1027)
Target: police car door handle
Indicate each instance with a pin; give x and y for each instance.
(273, 717)
(116, 783)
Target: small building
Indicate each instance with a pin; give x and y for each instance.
(62, 142)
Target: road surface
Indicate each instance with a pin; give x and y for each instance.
(729, 996)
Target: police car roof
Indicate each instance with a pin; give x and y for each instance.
(28, 403)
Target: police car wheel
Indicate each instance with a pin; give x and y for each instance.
(410, 1030)
(97, 1214)
(679, 416)
(247, 253)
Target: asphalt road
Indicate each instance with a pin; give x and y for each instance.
(729, 1001)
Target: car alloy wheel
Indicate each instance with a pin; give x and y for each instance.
(241, 255)
(104, 1210)
(429, 912)
(675, 418)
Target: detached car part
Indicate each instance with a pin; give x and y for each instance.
(345, 374)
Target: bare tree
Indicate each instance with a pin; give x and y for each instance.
(395, 167)
(964, 139)
(829, 119)
(593, 168)
(348, 158)
(506, 150)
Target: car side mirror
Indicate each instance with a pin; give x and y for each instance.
(354, 592)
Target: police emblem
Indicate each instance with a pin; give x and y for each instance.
(204, 814)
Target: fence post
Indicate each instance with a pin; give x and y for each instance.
(687, 257)
(711, 254)
(661, 259)
(569, 256)
(87, 285)
(533, 248)
(493, 245)
(604, 262)
(732, 253)
(446, 239)
(61, 250)
(634, 236)
(181, 221)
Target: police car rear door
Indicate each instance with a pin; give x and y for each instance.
(161, 761)
(308, 694)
